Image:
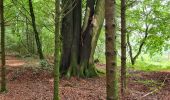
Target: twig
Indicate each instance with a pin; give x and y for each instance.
(149, 93)
(156, 88)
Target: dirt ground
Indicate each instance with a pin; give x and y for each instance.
(27, 83)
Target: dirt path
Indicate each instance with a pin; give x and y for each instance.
(26, 83)
(12, 61)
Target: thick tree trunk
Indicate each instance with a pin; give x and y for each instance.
(3, 69)
(123, 47)
(88, 15)
(98, 20)
(78, 51)
(67, 33)
(111, 53)
(39, 46)
(86, 38)
(76, 38)
(90, 37)
(57, 50)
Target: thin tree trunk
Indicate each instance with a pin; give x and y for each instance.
(111, 53)
(123, 47)
(27, 35)
(39, 46)
(57, 50)
(130, 49)
(3, 70)
(133, 59)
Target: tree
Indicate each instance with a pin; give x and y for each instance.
(57, 50)
(111, 53)
(123, 47)
(143, 27)
(3, 70)
(39, 46)
(79, 43)
(70, 38)
(147, 28)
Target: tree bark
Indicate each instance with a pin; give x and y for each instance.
(111, 53)
(90, 37)
(68, 36)
(123, 47)
(39, 46)
(57, 50)
(98, 20)
(77, 17)
(86, 40)
(79, 44)
(3, 70)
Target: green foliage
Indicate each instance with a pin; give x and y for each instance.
(156, 63)
(16, 13)
(45, 65)
(19, 24)
(155, 15)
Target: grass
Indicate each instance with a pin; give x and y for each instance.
(150, 65)
(157, 62)
(145, 62)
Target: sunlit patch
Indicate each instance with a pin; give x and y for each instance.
(51, 80)
(14, 63)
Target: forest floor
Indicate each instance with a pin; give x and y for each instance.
(26, 82)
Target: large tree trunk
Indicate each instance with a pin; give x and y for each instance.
(39, 46)
(69, 38)
(98, 20)
(123, 47)
(77, 56)
(86, 39)
(90, 37)
(76, 38)
(57, 50)
(111, 53)
(3, 69)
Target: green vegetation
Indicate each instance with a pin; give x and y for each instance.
(71, 38)
(151, 64)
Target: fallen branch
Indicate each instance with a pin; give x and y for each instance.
(156, 88)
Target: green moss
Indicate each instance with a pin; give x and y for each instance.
(92, 71)
(83, 71)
